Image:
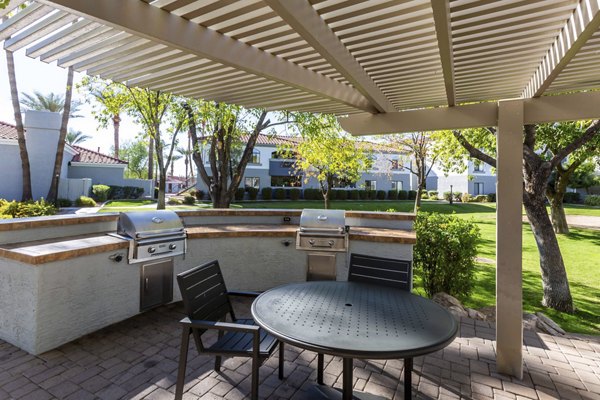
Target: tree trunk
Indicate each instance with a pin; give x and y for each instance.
(151, 158)
(14, 94)
(162, 183)
(60, 149)
(557, 294)
(116, 125)
(557, 213)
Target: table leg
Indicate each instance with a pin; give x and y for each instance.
(320, 365)
(347, 379)
(408, 366)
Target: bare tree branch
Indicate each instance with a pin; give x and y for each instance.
(472, 150)
(589, 134)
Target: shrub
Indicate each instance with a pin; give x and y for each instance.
(424, 195)
(412, 194)
(465, 197)
(446, 196)
(15, 209)
(342, 195)
(100, 192)
(267, 192)
(312, 194)
(279, 194)
(333, 194)
(381, 195)
(392, 194)
(295, 194)
(481, 198)
(372, 194)
(572, 198)
(64, 202)
(592, 200)
(125, 192)
(353, 194)
(189, 200)
(239, 194)
(174, 201)
(444, 255)
(84, 201)
(402, 195)
(433, 194)
(363, 194)
(491, 197)
(252, 193)
(199, 194)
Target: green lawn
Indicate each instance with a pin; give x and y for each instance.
(580, 250)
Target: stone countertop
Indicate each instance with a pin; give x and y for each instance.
(45, 251)
(239, 230)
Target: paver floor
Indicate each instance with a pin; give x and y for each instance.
(137, 359)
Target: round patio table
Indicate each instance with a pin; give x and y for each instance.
(355, 320)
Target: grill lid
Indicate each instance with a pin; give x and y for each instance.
(314, 220)
(150, 224)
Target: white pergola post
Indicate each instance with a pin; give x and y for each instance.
(509, 189)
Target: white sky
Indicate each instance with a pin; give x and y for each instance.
(36, 75)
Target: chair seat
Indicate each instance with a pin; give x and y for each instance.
(241, 342)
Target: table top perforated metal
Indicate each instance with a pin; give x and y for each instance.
(354, 320)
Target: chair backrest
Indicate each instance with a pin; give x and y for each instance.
(380, 271)
(204, 293)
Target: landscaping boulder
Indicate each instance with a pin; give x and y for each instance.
(530, 321)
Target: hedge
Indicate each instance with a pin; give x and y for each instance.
(84, 201)
(239, 194)
(402, 195)
(125, 192)
(392, 194)
(572, 198)
(101, 192)
(295, 194)
(592, 200)
(267, 193)
(412, 194)
(353, 194)
(189, 200)
(279, 194)
(381, 195)
(252, 193)
(342, 194)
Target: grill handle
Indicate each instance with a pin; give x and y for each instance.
(314, 243)
(322, 217)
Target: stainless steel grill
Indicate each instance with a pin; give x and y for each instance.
(322, 230)
(322, 234)
(152, 235)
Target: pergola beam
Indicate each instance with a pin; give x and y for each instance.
(176, 32)
(443, 31)
(582, 24)
(569, 107)
(303, 18)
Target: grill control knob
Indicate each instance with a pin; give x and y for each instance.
(172, 246)
(151, 250)
(311, 242)
(331, 242)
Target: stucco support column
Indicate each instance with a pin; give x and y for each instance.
(509, 190)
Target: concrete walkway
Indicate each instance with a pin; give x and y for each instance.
(137, 359)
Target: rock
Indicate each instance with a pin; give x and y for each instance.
(458, 312)
(445, 300)
(474, 314)
(545, 323)
(530, 321)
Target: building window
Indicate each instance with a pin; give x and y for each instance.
(255, 157)
(251, 182)
(477, 166)
(371, 185)
(397, 185)
(478, 188)
(396, 166)
(286, 181)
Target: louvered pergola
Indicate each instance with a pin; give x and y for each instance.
(382, 66)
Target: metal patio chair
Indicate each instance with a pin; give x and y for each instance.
(378, 271)
(206, 302)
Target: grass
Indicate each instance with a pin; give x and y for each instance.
(580, 250)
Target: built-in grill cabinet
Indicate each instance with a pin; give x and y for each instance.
(156, 284)
(155, 237)
(322, 234)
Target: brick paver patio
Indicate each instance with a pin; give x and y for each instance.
(137, 359)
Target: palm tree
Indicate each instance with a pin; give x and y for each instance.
(48, 102)
(14, 94)
(53, 191)
(76, 137)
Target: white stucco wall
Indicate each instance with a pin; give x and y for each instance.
(11, 184)
(42, 129)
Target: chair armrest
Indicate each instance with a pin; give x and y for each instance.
(221, 326)
(243, 294)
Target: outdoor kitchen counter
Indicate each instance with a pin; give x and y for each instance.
(49, 250)
(240, 230)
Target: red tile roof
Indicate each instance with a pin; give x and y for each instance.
(8, 131)
(92, 157)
